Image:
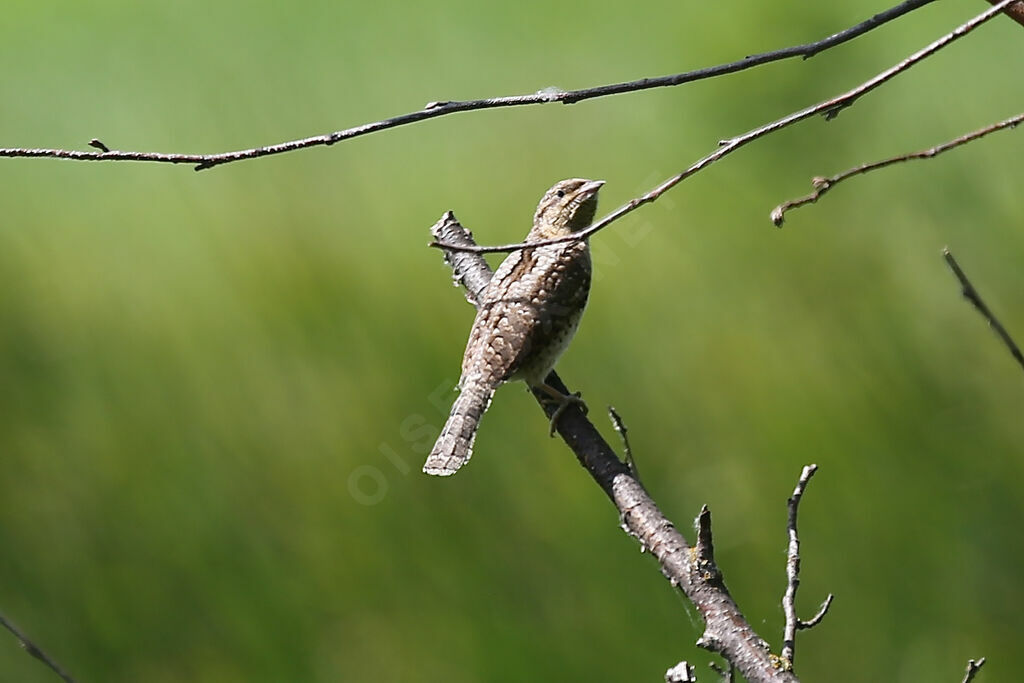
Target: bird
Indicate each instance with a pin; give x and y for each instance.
(526, 317)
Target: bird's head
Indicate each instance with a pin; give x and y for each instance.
(567, 207)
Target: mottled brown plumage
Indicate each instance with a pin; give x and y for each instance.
(526, 317)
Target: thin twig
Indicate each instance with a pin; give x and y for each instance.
(793, 622)
(726, 675)
(971, 294)
(830, 108)
(35, 650)
(623, 432)
(692, 570)
(823, 185)
(437, 109)
(822, 611)
(973, 667)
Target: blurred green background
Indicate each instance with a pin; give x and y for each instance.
(218, 388)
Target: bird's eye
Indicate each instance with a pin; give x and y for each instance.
(560, 193)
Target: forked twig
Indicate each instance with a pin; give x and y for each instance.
(793, 622)
(823, 185)
(690, 569)
(830, 108)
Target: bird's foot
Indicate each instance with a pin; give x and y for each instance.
(563, 401)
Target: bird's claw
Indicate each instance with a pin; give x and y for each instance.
(563, 403)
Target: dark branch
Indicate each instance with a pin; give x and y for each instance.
(830, 108)
(693, 571)
(971, 294)
(793, 622)
(627, 451)
(823, 185)
(437, 109)
(35, 650)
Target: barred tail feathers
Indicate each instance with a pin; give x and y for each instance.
(455, 444)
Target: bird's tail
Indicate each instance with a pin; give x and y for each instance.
(455, 444)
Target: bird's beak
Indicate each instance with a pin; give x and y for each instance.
(590, 188)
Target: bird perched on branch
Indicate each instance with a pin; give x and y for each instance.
(526, 317)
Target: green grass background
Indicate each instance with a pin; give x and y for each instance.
(217, 388)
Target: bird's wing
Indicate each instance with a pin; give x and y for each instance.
(526, 292)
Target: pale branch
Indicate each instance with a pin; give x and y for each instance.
(34, 650)
(973, 667)
(823, 185)
(830, 108)
(434, 110)
(971, 294)
(1014, 11)
(681, 673)
(469, 270)
(691, 569)
(822, 611)
(793, 622)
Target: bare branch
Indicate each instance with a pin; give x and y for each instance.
(691, 570)
(793, 622)
(468, 269)
(1015, 11)
(437, 109)
(35, 650)
(973, 667)
(830, 108)
(971, 294)
(823, 185)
